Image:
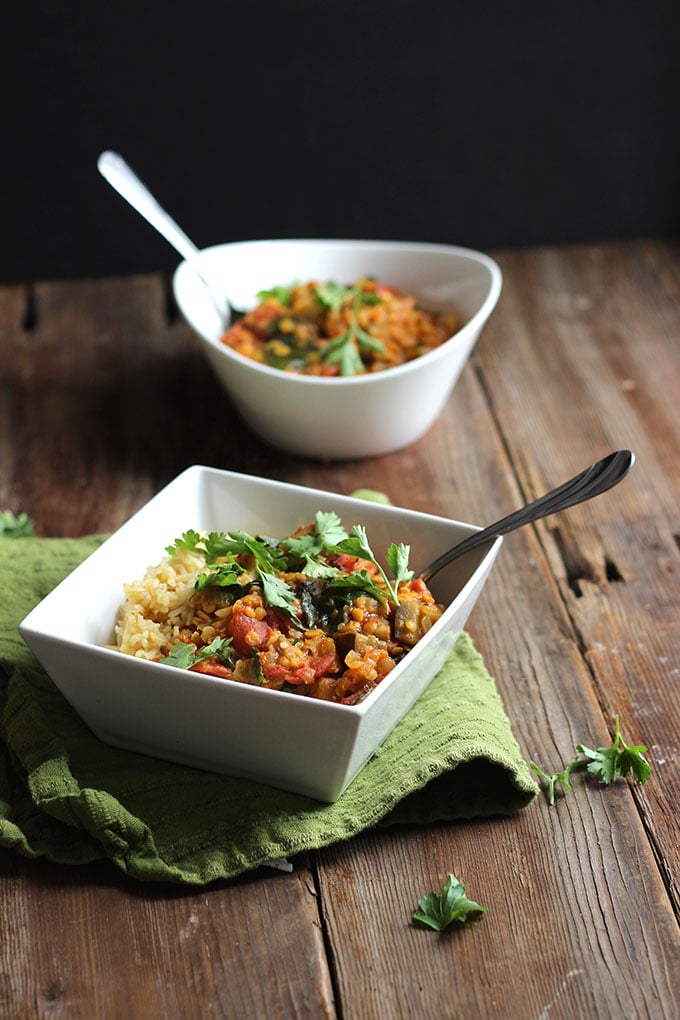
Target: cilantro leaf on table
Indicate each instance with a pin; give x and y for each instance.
(372, 496)
(16, 525)
(607, 763)
(618, 760)
(555, 777)
(184, 656)
(439, 910)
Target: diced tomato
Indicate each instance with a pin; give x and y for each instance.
(322, 664)
(317, 666)
(278, 620)
(237, 334)
(247, 633)
(418, 585)
(212, 668)
(351, 563)
(282, 675)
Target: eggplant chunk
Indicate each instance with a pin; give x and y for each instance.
(412, 620)
(355, 641)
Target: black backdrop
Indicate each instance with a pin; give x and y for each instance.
(488, 124)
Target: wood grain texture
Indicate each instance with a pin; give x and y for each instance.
(575, 890)
(85, 942)
(104, 396)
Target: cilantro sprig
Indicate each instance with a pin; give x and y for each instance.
(356, 544)
(277, 592)
(345, 350)
(356, 583)
(16, 525)
(606, 763)
(184, 655)
(279, 293)
(306, 553)
(439, 910)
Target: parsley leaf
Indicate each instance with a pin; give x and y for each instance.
(397, 561)
(277, 592)
(332, 295)
(328, 527)
(184, 656)
(16, 525)
(308, 549)
(266, 554)
(344, 350)
(279, 293)
(355, 583)
(357, 545)
(189, 540)
(556, 777)
(609, 762)
(224, 575)
(604, 762)
(439, 910)
(317, 568)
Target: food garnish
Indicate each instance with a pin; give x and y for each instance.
(607, 763)
(329, 329)
(185, 656)
(314, 613)
(16, 525)
(439, 910)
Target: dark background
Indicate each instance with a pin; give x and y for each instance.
(487, 124)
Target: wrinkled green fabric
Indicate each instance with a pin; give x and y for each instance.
(67, 796)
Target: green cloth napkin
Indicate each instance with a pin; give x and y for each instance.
(69, 797)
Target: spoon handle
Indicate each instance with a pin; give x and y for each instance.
(125, 181)
(598, 478)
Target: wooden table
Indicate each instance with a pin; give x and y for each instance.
(104, 397)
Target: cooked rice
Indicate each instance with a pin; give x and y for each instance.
(158, 606)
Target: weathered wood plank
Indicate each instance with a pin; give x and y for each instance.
(573, 890)
(103, 400)
(86, 942)
(594, 335)
(103, 391)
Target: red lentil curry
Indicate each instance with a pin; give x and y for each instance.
(314, 614)
(325, 329)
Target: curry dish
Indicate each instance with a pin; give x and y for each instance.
(326, 329)
(313, 614)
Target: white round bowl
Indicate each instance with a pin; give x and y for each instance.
(342, 417)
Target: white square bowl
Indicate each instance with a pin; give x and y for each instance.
(286, 740)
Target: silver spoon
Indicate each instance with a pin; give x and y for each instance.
(599, 477)
(125, 181)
